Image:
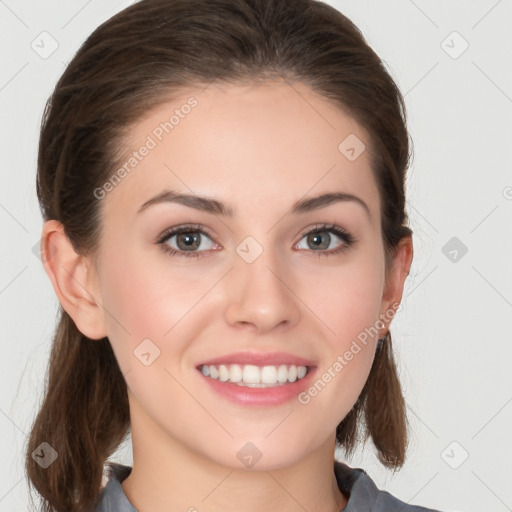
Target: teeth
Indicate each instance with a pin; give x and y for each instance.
(223, 373)
(214, 372)
(269, 375)
(250, 375)
(235, 373)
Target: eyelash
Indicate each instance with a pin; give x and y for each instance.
(347, 238)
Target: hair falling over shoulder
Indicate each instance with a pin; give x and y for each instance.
(131, 63)
(84, 417)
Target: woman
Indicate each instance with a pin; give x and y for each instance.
(222, 184)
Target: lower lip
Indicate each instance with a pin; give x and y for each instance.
(260, 396)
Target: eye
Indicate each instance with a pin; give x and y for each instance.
(189, 241)
(320, 238)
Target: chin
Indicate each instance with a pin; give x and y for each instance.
(261, 453)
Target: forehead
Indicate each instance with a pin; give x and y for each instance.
(274, 142)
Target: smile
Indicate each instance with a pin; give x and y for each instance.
(253, 376)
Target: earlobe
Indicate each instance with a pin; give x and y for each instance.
(401, 265)
(74, 281)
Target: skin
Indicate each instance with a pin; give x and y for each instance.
(258, 148)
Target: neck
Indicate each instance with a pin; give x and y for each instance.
(168, 476)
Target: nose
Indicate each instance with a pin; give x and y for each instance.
(260, 296)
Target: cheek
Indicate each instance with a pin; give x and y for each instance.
(150, 301)
(132, 299)
(346, 299)
(351, 312)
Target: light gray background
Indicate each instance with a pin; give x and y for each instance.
(452, 335)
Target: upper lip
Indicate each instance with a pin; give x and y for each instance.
(259, 359)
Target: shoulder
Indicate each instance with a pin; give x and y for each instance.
(112, 497)
(364, 495)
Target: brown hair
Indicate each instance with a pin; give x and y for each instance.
(131, 63)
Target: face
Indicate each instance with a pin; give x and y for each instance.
(254, 282)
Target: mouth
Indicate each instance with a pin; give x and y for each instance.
(254, 376)
(257, 378)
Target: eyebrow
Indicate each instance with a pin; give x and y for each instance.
(215, 207)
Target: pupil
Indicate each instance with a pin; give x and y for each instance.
(190, 240)
(317, 241)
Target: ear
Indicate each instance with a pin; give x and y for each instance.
(74, 280)
(394, 287)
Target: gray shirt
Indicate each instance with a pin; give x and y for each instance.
(363, 495)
